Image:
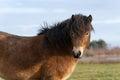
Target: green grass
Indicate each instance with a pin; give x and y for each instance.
(96, 72)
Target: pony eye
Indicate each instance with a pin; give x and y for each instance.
(86, 33)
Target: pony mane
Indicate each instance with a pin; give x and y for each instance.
(58, 34)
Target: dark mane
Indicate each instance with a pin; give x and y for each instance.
(58, 35)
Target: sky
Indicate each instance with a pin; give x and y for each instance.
(25, 17)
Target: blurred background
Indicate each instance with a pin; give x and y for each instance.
(25, 17)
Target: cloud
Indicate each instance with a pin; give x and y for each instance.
(114, 21)
(17, 1)
(31, 10)
(22, 10)
(23, 30)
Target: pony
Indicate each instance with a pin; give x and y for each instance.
(50, 55)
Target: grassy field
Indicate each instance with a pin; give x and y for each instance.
(96, 72)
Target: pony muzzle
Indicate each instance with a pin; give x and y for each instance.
(77, 52)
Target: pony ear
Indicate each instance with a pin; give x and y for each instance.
(73, 17)
(89, 18)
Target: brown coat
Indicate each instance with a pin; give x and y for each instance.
(31, 58)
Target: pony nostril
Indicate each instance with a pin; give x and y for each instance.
(79, 53)
(76, 55)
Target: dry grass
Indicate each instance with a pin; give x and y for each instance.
(102, 55)
(103, 51)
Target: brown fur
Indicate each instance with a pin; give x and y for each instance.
(35, 58)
